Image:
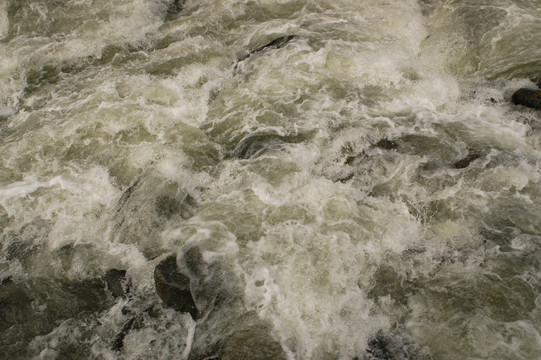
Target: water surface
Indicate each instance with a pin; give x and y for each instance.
(365, 191)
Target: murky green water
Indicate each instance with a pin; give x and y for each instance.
(366, 191)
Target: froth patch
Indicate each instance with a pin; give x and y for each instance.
(69, 201)
(311, 297)
(4, 21)
(73, 183)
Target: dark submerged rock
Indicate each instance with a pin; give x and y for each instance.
(173, 287)
(126, 195)
(108, 53)
(214, 286)
(135, 322)
(167, 206)
(225, 330)
(15, 303)
(387, 281)
(118, 341)
(145, 207)
(379, 347)
(345, 178)
(31, 307)
(392, 346)
(274, 44)
(386, 144)
(464, 163)
(117, 283)
(528, 97)
(48, 74)
(253, 343)
(174, 9)
(244, 337)
(155, 196)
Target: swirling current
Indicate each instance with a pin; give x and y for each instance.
(342, 179)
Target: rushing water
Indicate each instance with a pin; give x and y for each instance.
(365, 191)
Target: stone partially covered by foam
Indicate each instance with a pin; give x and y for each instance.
(528, 97)
(173, 287)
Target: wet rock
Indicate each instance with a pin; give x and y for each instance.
(274, 44)
(386, 144)
(389, 282)
(350, 160)
(145, 207)
(118, 341)
(164, 43)
(15, 303)
(345, 178)
(253, 343)
(167, 206)
(135, 322)
(528, 97)
(226, 330)
(465, 162)
(108, 53)
(117, 282)
(380, 348)
(238, 337)
(75, 297)
(173, 287)
(389, 346)
(35, 307)
(214, 285)
(174, 9)
(38, 78)
(536, 80)
(126, 195)
(437, 148)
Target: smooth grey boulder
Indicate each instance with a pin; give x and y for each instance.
(173, 287)
(528, 97)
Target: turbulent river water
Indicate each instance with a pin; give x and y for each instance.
(367, 190)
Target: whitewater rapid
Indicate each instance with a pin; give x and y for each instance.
(365, 191)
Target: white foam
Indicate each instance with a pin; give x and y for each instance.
(4, 21)
(308, 227)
